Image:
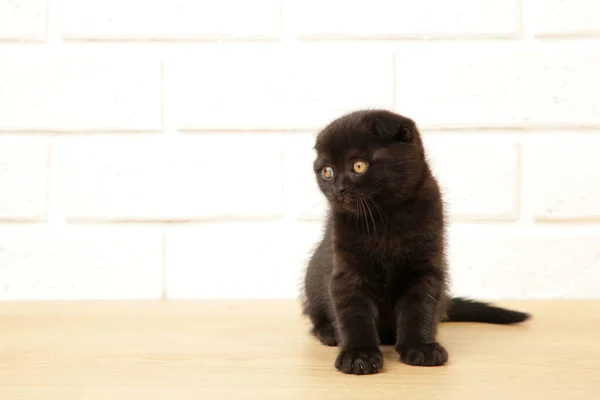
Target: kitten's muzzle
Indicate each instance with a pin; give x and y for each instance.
(340, 190)
(342, 196)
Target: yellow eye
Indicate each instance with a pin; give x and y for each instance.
(359, 167)
(327, 172)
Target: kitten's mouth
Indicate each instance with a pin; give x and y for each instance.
(344, 199)
(346, 202)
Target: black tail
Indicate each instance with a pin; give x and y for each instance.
(466, 310)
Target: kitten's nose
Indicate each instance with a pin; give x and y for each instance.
(339, 190)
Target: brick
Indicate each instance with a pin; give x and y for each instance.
(60, 264)
(207, 176)
(563, 176)
(478, 175)
(23, 178)
(165, 19)
(299, 88)
(524, 263)
(228, 260)
(566, 18)
(66, 90)
(397, 19)
(303, 199)
(499, 87)
(23, 19)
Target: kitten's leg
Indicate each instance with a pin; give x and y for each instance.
(417, 319)
(323, 326)
(356, 318)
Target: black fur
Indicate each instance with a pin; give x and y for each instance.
(466, 310)
(379, 274)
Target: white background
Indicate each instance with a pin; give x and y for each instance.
(163, 148)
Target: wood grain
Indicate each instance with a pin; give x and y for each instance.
(261, 350)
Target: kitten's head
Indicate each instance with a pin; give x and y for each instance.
(373, 156)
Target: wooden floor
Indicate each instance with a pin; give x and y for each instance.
(261, 350)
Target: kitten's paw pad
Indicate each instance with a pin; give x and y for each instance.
(326, 335)
(362, 361)
(427, 355)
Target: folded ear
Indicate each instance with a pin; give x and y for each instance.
(393, 126)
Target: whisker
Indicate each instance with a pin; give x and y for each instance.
(364, 212)
(379, 210)
(371, 214)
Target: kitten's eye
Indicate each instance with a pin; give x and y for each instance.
(359, 167)
(327, 173)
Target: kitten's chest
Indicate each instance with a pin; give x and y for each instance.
(380, 246)
(384, 247)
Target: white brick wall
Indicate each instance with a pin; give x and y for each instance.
(66, 89)
(164, 149)
(399, 19)
(23, 20)
(161, 178)
(565, 176)
(560, 18)
(274, 88)
(23, 178)
(510, 86)
(64, 263)
(238, 260)
(488, 191)
(530, 262)
(168, 19)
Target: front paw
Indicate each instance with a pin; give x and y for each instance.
(361, 361)
(423, 354)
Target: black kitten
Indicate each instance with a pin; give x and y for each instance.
(379, 274)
